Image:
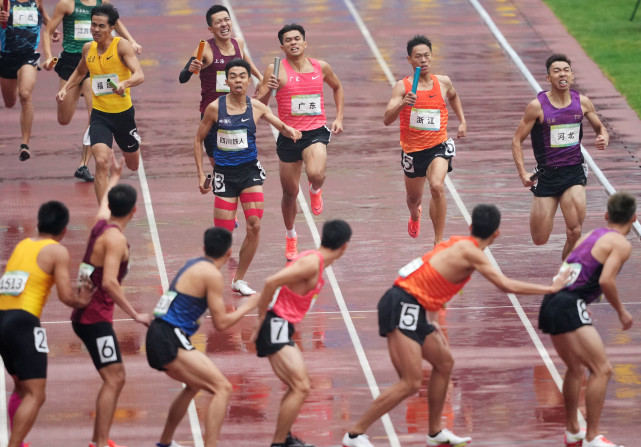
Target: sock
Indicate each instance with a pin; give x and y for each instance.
(354, 435)
(12, 407)
(158, 444)
(290, 233)
(312, 190)
(435, 434)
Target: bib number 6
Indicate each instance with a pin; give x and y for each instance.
(106, 349)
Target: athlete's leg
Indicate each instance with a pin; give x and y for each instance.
(102, 155)
(33, 396)
(573, 207)
(315, 158)
(414, 195)
(252, 202)
(9, 89)
(406, 358)
(113, 379)
(290, 368)
(436, 173)
(132, 159)
(289, 181)
(542, 218)
(67, 107)
(88, 95)
(436, 351)
(26, 83)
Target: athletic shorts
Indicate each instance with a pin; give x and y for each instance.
(23, 344)
(10, 63)
(105, 127)
(163, 342)
(275, 333)
(397, 309)
(101, 342)
(290, 152)
(556, 179)
(230, 181)
(66, 65)
(415, 164)
(563, 312)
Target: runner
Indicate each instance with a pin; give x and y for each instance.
(109, 59)
(35, 265)
(407, 316)
(553, 120)
(286, 298)
(426, 151)
(76, 31)
(300, 105)
(594, 262)
(237, 173)
(198, 286)
(106, 263)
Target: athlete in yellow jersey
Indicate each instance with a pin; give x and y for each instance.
(114, 68)
(34, 266)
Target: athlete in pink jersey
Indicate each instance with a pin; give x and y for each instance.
(286, 298)
(301, 105)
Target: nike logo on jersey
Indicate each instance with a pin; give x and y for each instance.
(110, 57)
(432, 96)
(244, 119)
(129, 146)
(315, 77)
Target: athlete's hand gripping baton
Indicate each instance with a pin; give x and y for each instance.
(112, 84)
(417, 74)
(52, 64)
(276, 68)
(5, 7)
(199, 55)
(207, 183)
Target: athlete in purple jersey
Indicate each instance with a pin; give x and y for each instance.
(554, 121)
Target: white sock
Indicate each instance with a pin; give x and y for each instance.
(290, 233)
(312, 190)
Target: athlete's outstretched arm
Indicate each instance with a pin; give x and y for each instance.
(332, 80)
(77, 76)
(209, 118)
(397, 102)
(219, 316)
(254, 70)
(115, 170)
(532, 112)
(76, 298)
(128, 57)
(63, 8)
(455, 102)
(272, 119)
(611, 266)
(269, 82)
(602, 137)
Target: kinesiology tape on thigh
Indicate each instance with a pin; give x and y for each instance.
(252, 197)
(221, 204)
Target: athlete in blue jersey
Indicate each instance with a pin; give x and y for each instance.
(594, 264)
(238, 173)
(198, 286)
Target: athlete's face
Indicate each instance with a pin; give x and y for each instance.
(100, 28)
(421, 57)
(560, 75)
(221, 25)
(294, 43)
(238, 80)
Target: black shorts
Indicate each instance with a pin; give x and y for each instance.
(415, 164)
(105, 127)
(555, 180)
(101, 342)
(66, 65)
(163, 342)
(275, 333)
(10, 63)
(563, 312)
(397, 309)
(230, 181)
(23, 344)
(290, 152)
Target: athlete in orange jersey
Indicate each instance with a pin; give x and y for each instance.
(426, 284)
(426, 151)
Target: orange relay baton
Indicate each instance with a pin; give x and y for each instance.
(53, 63)
(199, 55)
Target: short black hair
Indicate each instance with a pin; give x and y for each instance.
(419, 39)
(238, 62)
(335, 234)
(621, 208)
(290, 27)
(556, 58)
(106, 9)
(486, 219)
(217, 242)
(215, 10)
(53, 218)
(122, 199)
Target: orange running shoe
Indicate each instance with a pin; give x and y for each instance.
(291, 247)
(414, 226)
(317, 201)
(109, 442)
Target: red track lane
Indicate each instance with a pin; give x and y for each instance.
(501, 392)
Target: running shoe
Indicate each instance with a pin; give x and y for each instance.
(599, 441)
(359, 441)
(23, 153)
(293, 441)
(317, 201)
(110, 443)
(241, 287)
(574, 439)
(83, 174)
(173, 444)
(236, 223)
(291, 247)
(414, 226)
(446, 437)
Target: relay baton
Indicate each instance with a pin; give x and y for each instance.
(417, 74)
(53, 63)
(112, 84)
(537, 174)
(5, 7)
(276, 68)
(199, 55)
(207, 183)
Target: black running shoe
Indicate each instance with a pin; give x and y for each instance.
(83, 174)
(24, 153)
(293, 441)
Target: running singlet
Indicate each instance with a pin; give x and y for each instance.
(22, 34)
(586, 270)
(300, 100)
(235, 135)
(212, 78)
(425, 283)
(424, 125)
(24, 285)
(76, 27)
(179, 309)
(108, 67)
(292, 306)
(557, 141)
(101, 306)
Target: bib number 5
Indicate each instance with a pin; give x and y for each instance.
(409, 316)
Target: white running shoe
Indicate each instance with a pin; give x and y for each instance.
(574, 439)
(241, 287)
(599, 441)
(359, 441)
(446, 437)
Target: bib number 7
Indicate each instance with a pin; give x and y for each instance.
(279, 330)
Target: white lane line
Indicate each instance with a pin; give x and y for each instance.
(4, 428)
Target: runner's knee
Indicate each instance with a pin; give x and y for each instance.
(437, 190)
(115, 378)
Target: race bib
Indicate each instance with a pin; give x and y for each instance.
(40, 339)
(100, 86)
(106, 349)
(450, 147)
(306, 105)
(232, 140)
(219, 182)
(575, 270)
(563, 135)
(425, 119)
(221, 85)
(409, 316)
(82, 30)
(162, 307)
(13, 283)
(278, 330)
(410, 268)
(84, 274)
(25, 16)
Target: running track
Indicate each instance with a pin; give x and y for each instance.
(502, 393)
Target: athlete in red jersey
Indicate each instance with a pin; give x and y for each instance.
(407, 315)
(426, 151)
